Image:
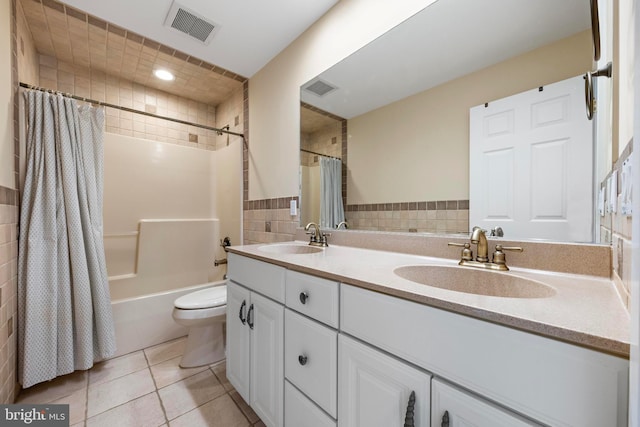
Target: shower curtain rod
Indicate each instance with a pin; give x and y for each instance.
(320, 154)
(130, 110)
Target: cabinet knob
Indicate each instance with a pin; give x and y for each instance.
(304, 297)
(409, 419)
(445, 419)
(242, 317)
(302, 359)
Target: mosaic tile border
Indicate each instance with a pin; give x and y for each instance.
(277, 203)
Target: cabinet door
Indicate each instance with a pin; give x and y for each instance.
(267, 371)
(374, 389)
(238, 301)
(452, 407)
(302, 412)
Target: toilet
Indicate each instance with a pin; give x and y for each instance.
(204, 313)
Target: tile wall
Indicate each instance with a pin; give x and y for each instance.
(9, 251)
(269, 221)
(83, 82)
(8, 292)
(450, 216)
(620, 235)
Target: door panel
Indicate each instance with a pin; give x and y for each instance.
(531, 164)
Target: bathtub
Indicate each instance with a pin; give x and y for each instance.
(141, 322)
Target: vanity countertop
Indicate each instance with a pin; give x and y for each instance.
(585, 311)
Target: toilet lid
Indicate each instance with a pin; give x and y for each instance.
(206, 298)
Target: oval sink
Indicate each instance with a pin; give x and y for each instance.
(475, 281)
(290, 249)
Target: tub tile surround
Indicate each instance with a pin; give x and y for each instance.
(147, 388)
(586, 310)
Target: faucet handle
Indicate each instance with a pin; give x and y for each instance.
(498, 255)
(467, 254)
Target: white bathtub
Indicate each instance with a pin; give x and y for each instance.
(144, 321)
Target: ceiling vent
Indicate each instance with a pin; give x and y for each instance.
(190, 23)
(319, 87)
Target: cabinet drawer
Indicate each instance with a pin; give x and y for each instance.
(264, 278)
(313, 297)
(300, 411)
(310, 359)
(463, 408)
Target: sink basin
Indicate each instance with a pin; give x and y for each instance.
(475, 281)
(290, 249)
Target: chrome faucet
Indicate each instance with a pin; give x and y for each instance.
(479, 238)
(343, 223)
(318, 238)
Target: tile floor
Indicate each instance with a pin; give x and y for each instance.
(147, 388)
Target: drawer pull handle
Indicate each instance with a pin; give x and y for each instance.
(304, 297)
(445, 419)
(243, 306)
(250, 316)
(409, 420)
(302, 359)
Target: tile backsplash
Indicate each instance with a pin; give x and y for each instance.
(443, 216)
(620, 234)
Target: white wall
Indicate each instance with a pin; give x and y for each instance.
(274, 92)
(6, 99)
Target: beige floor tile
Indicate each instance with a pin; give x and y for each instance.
(169, 372)
(221, 412)
(165, 351)
(220, 369)
(105, 396)
(118, 367)
(141, 412)
(190, 393)
(244, 407)
(55, 389)
(77, 405)
(78, 425)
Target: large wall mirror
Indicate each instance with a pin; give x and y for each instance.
(397, 111)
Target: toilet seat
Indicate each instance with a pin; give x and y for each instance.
(206, 298)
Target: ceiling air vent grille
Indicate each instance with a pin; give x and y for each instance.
(190, 23)
(319, 87)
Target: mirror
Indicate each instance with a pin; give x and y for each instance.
(397, 111)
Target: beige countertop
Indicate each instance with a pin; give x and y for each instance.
(585, 310)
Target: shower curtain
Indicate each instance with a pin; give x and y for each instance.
(331, 208)
(65, 321)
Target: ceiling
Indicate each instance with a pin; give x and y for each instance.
(446, 40)
(249, 33)
(128, 40)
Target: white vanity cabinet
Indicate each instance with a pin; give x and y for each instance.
(255, 336)
(375, 389)
(546, 380)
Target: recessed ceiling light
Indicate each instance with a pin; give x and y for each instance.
(163, 74)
